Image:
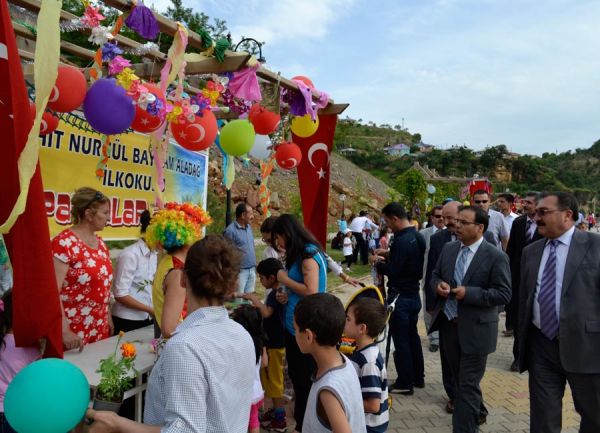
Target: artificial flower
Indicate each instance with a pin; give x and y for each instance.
(117, 65)
(100, 35)
(92, 16)
(110, 51)
(126, 77)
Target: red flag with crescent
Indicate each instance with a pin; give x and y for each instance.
(36, 306)
(313, 176)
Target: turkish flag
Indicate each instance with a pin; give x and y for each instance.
(36, 307)
(313, 176)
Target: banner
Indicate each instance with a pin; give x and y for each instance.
(313, 176)
(68, 158)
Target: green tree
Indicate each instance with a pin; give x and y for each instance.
(413, 188)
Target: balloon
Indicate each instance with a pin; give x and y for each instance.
(196, 135)
(68, 91)
(237, 137)
(305, 80)
(262, 147)
(288, 155)
(264, 121)
(144, 121)
(304, 126)
(49, 121)
(108, 108)
(50, 395)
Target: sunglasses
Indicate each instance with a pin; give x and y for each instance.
(97, 197)
(438, 216)
(480, 201)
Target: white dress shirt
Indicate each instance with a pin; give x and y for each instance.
(360, 223)
(134, 274)
(562, 251)
(473, 250)
(509, 219)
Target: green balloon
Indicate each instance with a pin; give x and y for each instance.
(237, 137)
(50, 396)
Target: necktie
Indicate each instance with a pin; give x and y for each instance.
(547, 295)
(528, 234)
(451, 305)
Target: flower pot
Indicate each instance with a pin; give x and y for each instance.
(111, 406)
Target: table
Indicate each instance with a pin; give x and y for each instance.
(89, 359)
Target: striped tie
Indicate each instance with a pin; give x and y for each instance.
(547, 295)
(451, 306)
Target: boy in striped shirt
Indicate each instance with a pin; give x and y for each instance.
(365, 320)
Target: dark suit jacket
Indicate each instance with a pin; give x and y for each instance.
(436, 243)
(487, 282)
(579, 321)
(516, 242)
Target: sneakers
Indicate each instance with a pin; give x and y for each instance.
(266, 417)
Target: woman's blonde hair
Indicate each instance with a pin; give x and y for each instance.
(85, 198)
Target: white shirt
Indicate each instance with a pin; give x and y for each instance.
(359, 223)
(509, 219)
(562, 251)
(134, 274)
(347, 250)
(498, 226)
(473, 250)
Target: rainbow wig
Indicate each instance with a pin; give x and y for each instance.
(176, 225)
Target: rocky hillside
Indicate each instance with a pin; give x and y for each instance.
(362, 190)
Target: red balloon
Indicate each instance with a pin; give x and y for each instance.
(69, 90)
(49, 121)
(196, 135)
(144, 121)
(264, 121)
(288, 155)
(305, 80)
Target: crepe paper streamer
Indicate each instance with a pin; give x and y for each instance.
(244, 84)
(105, 155)
(45, 67)
(142, 20)
(264, 193)
(221, 46)
(96, 70)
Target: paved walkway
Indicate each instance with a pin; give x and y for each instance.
(505, 393)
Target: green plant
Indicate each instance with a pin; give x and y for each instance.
(116, 374)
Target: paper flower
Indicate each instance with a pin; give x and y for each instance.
(100, 35)
(126, 77)
(110, 51)
(117, 66)
(92, 16)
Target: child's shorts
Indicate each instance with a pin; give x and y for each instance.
(254, 422)
(271, 376)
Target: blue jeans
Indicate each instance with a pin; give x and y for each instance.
(247, 280)
(4, 425)
(408, 354)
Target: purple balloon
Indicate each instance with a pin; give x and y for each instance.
(107, 107)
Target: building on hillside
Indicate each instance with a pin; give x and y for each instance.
(399, 149)
(426, 148)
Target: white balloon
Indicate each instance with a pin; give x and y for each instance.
(262, 147)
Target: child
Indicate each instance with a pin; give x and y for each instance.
(334, 403)
(272, 313)
(365, 320)
(347, 249)
(12, 358)
(250, 319)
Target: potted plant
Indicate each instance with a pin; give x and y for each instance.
(116, 376)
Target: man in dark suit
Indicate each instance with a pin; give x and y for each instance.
(436, 244)
(523, 232)
(559, 317)
(471, 279)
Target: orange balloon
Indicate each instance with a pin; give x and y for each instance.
(144, 121)
(49, 121)
(198, 134)
(288, 155)
(69, 90)
(264, 121)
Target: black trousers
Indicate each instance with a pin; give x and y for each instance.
(361, 247)
(547, 380)
(467, 371)
(301, 368)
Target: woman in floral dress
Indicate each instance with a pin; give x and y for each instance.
(84, 271)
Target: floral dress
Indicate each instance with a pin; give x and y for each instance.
(86, 290)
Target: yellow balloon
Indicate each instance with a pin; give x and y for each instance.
(304, 126)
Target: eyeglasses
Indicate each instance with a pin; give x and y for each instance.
(466, 223)
(542, 212)
(438, 216)
(480, 201)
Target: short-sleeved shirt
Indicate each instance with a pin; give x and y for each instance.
(85, 292)
(498, 227)
(14, 359)
(295, 273)
(273, 325)
(372, 375)
(243, 238)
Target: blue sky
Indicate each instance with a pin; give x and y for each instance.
(475, 72)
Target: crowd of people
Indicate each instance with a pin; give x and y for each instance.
(219, 365)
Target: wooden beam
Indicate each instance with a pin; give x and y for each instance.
(334, 109)
(209, 65)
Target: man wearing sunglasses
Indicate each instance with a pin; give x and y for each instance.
(471, 279)
(559, 317)
(497, 224)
